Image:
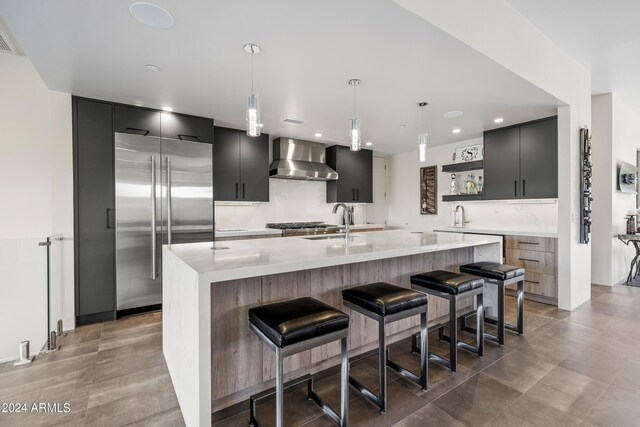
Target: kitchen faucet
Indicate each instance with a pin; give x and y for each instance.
(345, 215)
(463, 218)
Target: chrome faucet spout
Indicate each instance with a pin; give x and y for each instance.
(463, 217)
(346, 217)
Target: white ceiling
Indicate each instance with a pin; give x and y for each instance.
(309, 51)
(603, 36)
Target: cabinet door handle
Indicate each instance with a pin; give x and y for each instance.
(136, 131)
(188, 137)
(243, 195)
(515, 188)
(357, 194)
(236, 191)
(532, 281)
(523, 188)
(527, 259)
(109, 216)
(527, 243)
(353, 194)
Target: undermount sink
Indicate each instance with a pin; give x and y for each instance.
(329, 237)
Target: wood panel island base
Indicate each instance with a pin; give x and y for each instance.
(215, 361)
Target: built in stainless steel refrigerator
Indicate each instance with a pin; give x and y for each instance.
(164, 195)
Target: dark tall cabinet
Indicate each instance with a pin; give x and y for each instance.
(94, 202)
(355, 175)
(240, 166)
(521, 162)
(94, 125)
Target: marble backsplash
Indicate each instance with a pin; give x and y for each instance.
(290, 201)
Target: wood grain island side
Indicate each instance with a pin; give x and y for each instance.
(215, 361)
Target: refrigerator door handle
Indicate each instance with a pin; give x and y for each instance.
(154, 274)
(169, 200)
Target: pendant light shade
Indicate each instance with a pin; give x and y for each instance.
(253, 105)
(422, 136)
(355, 134)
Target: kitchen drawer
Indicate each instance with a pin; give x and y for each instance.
(542, 244)
(533, 261)
(540, 284)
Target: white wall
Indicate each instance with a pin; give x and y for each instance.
(404, 198)
(37, 201)
(615, 139)
(505, 36)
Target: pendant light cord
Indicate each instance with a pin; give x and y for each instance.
(252, 71)
(354, 100)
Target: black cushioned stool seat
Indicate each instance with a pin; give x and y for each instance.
(499, 275)
(453, 287)
(294, 326)
(447, 282)
(290, 322)
(493, 270)
(384, 298)
(388, 303)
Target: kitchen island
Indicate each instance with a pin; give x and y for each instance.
(213, 358)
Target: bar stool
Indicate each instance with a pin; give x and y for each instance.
(453, 287)
(500, 275)
(386, 303)
(294, 326)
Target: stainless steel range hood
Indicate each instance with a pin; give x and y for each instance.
(297, 159)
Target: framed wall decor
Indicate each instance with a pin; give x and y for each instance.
(429, 190)
(469, 154)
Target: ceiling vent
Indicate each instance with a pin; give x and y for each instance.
(8, 43)
(292, 121)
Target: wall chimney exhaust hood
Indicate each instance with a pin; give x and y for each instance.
(297, 159)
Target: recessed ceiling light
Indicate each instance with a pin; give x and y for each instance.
(152, 67)
(453, 114)
(318, 135)
(368, 144)
(498, 120)
(456, 130)
(167, 109)
(151, 15)
(403, 126)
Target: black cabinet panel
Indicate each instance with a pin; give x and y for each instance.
(364, 182)
(502, 164)
(94, 206)
(226, 164)
(240, 166)
(355, 175)
(188, 128)
(254, 168)
(136, 120)
(539, 159)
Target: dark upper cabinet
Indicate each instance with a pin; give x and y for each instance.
(355, 175)
(94, 200)
(186, 128)
(502, 164)
(254, 167)
(135, 120)
(539, 159)
(240, 166)
(521, 162)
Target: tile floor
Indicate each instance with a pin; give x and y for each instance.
(576, 368)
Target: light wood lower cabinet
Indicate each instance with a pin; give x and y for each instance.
(242, 365)
(538, 256)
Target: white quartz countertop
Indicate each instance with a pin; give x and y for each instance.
(239, 259)
(240, 232)
(542, 232)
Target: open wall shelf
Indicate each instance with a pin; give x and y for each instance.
(463, 167)
(462, 197)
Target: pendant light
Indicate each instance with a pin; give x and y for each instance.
(422, 136)
(253, 107)
(355, 121)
